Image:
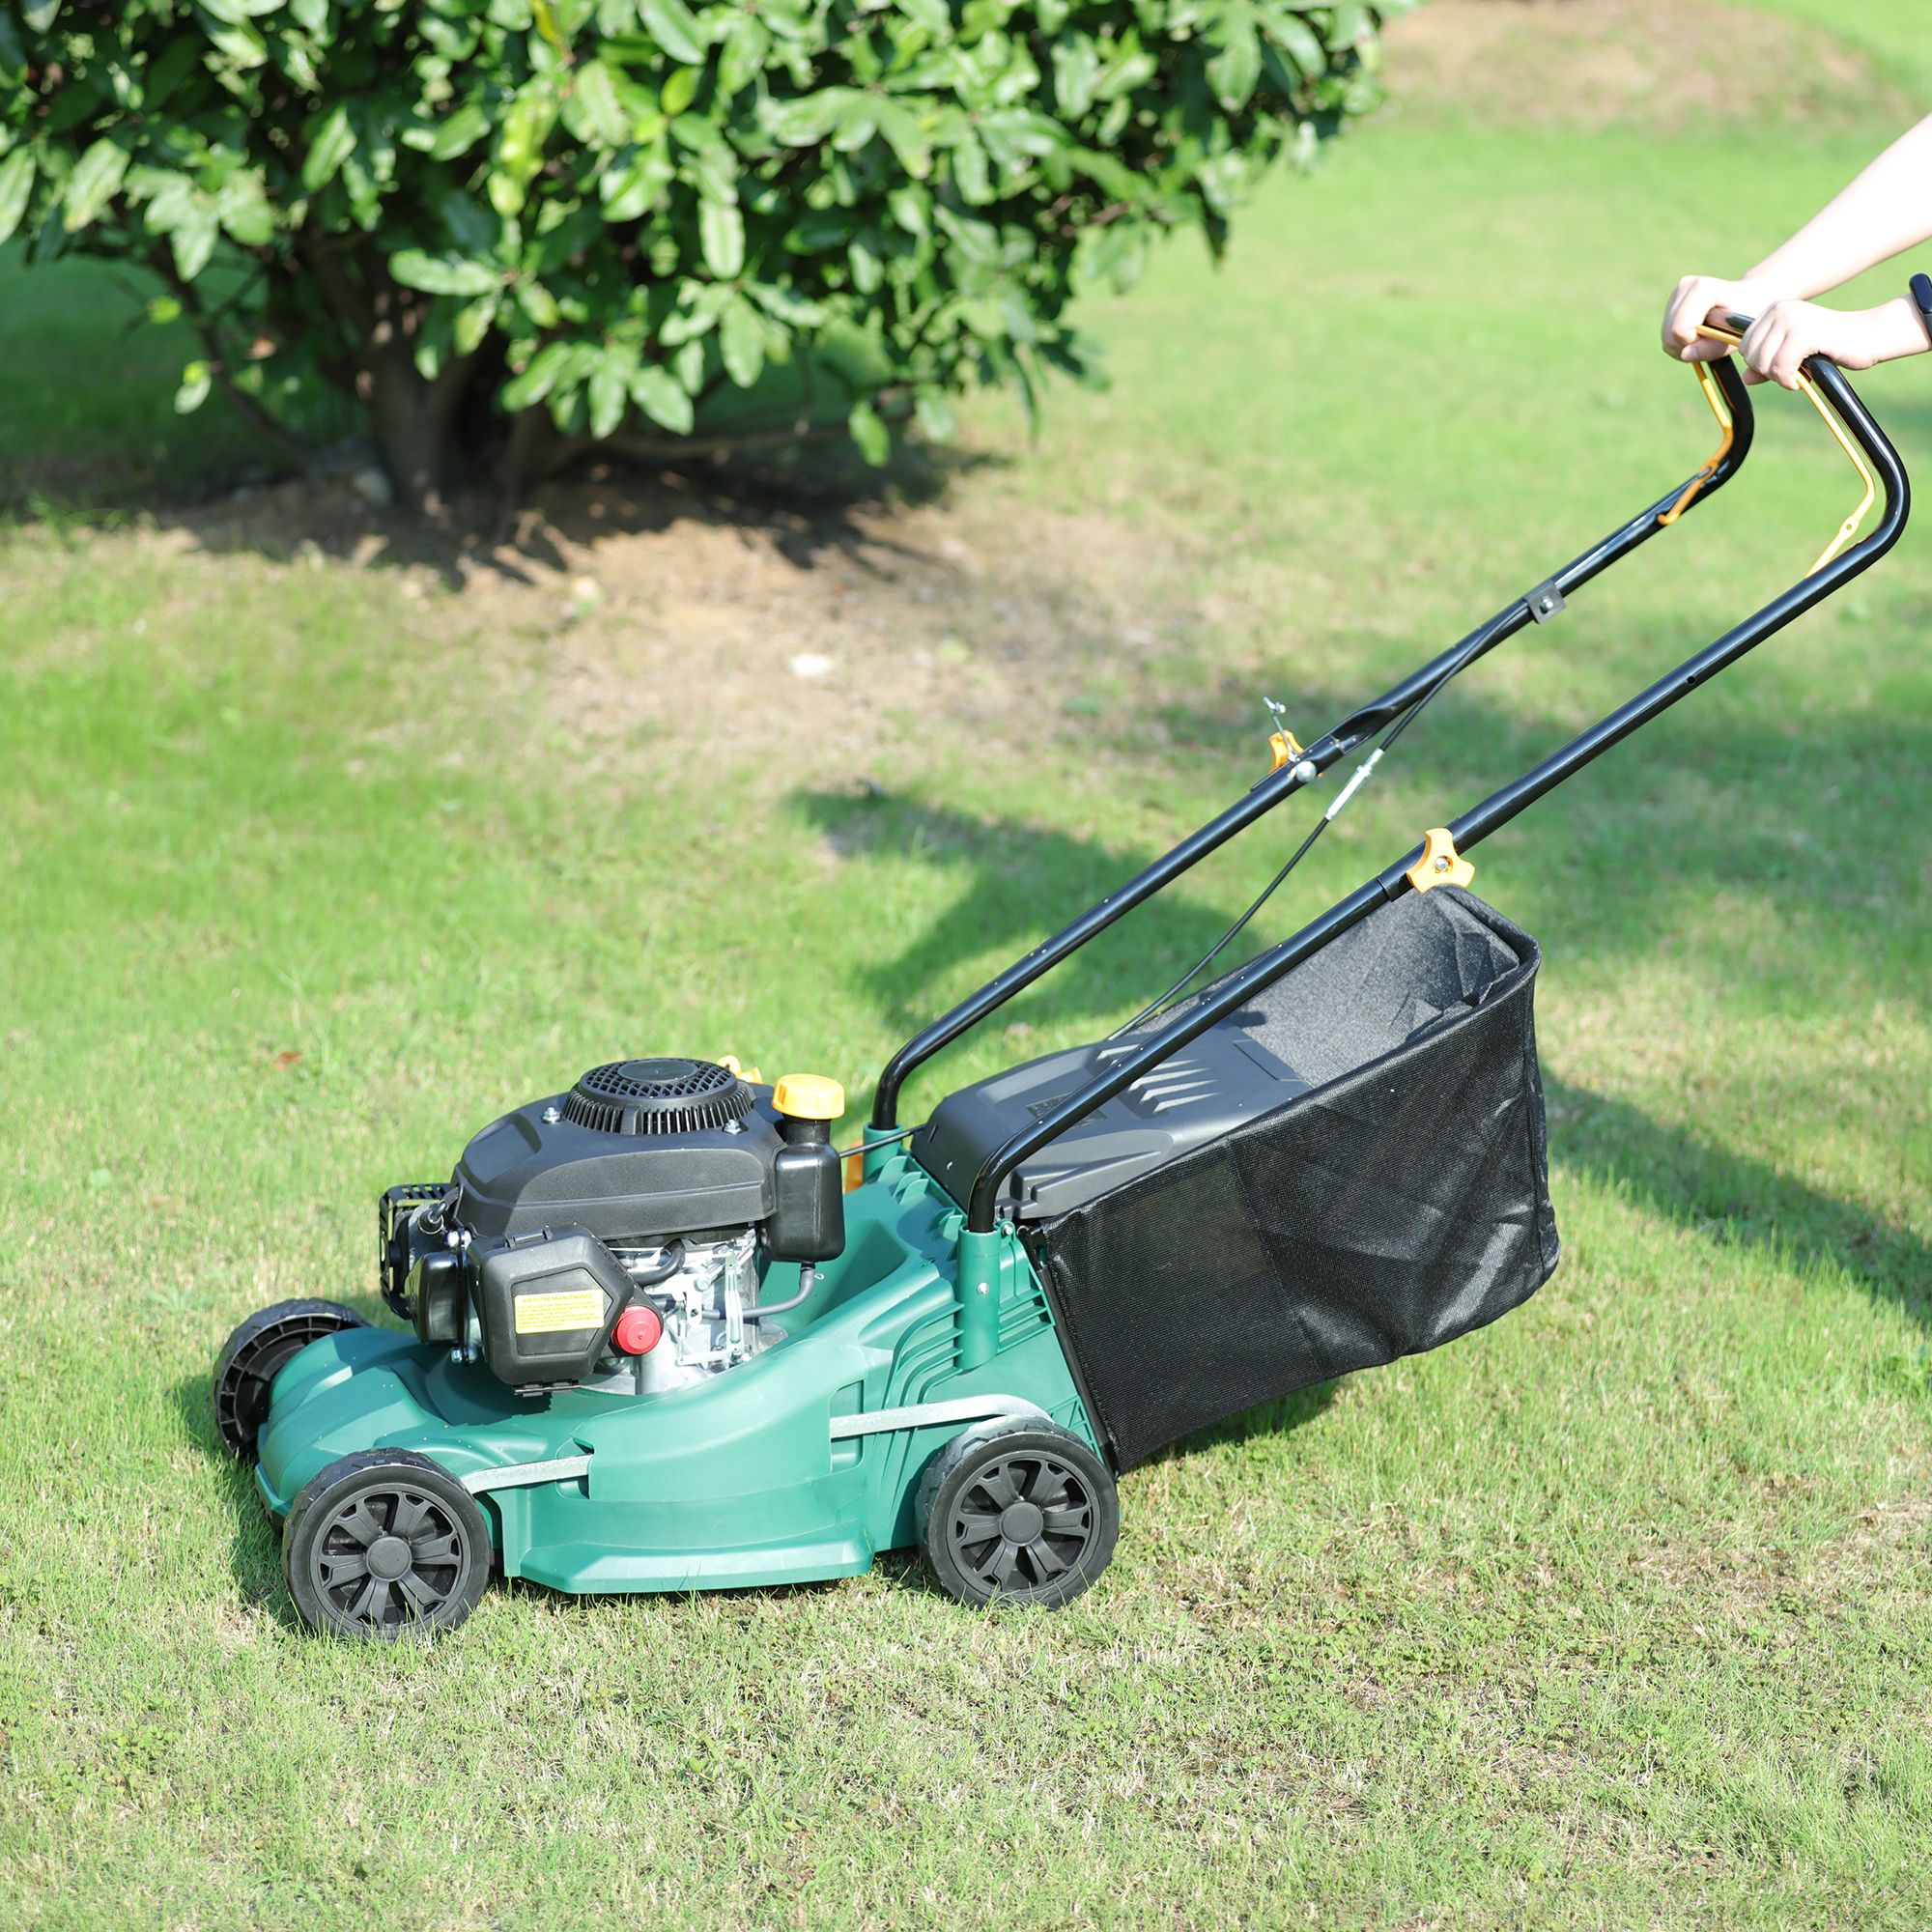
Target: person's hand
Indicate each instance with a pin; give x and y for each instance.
(1780, 340)
(1700, 299)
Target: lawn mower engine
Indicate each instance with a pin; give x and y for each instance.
(616, 1236)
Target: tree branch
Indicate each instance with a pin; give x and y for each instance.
(252, 412)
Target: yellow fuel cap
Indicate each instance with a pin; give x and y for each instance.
(809, 1097)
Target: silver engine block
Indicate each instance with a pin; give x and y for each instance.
(704, 1304)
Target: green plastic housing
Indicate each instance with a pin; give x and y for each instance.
(776, 1471)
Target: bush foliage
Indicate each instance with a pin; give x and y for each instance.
(512, 228)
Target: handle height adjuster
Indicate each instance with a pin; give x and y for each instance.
(1440, 863)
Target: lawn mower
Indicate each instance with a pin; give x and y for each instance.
(660, 1334)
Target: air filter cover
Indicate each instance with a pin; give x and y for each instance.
(657, 1096)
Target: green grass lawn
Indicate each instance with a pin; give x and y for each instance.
(1616, 1614)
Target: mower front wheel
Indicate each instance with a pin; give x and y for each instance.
(1018, 1512)
(257, 1352)
(386, 1544)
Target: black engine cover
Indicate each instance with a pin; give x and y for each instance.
(535, 1167)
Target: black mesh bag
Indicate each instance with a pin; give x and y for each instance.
(1400, 1201)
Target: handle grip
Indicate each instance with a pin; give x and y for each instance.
(1731, 331)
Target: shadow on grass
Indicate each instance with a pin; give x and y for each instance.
(1024, 881)
(1282, 1416)
(830, 511)
(254, 1554)
(1733, 1200)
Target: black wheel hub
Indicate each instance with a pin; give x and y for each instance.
(388, 1557)
(1022, 1523)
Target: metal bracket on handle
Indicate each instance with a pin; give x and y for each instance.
(1547, 601)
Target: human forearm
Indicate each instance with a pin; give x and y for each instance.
(1886, 209)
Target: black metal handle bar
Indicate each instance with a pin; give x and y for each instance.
(1494, 811)
(1346, 737)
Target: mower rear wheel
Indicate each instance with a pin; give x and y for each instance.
(1018, 1512)
(384, 1544)
(256, 1353)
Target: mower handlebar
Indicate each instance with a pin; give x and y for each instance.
(1325, 751)
(1857, 428)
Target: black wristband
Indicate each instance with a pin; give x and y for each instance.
(1921, 299)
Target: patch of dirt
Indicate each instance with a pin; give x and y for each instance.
(1663, 65)
(632, 611)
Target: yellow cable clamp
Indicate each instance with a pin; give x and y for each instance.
(1440, 863)
(1283, 749)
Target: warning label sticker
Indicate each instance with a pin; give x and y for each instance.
(560, 1308)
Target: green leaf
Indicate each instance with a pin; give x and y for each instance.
(474, 230)
(970, 172)
(244, 209)
(679, 90)
(459, 132)
(747, 45)
(40, 14)
(701, 304)
(193, 236)
(805, 122)
(720, 231)
(163, 309)
(741, 340)
(675, 29)
(472, 323)
(1076, 73)
(870, 434)
(537, 378)
(331, 140)
(17, 184)
(1297, 40)
(442, 274)
(1235, 70)
(904, 135)
(594, 96)
(539, 303)
(95, 182)
(196, 379)
(788, 305)
(663, 398)
(610, 392)
(857, 123)
(630, 192)
(519, 145)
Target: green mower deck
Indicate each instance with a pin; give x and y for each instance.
(800, 1464)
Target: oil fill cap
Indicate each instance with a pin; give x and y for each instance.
(809, 1097)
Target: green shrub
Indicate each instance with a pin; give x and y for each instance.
(513, 228)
